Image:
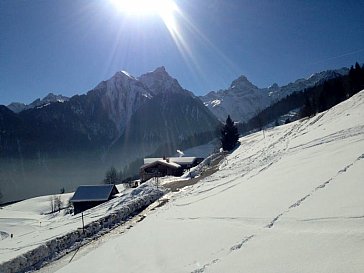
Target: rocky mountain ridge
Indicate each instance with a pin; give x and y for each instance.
(17, 107)
(242, 100)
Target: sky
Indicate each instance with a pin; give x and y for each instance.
(69, 46)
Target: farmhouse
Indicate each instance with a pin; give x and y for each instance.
(89, 196)
(159, 167)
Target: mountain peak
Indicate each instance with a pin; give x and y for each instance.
(123, 74)
(51, 97)
(159, 81)
(160, 69)
(242, 83)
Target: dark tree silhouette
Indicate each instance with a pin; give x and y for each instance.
(307, 109)
(229, 135)
(111, 176)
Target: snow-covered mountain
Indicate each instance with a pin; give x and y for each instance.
(17, 107)
(242, 100)
(291, 201)
(159, 82)
(122, 119)
(121, 96)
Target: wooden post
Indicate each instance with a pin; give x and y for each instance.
(83, 225)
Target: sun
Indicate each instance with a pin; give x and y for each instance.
(163, 8)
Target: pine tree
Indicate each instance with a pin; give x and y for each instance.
(111, 176)
(229, 135)
(307, 109)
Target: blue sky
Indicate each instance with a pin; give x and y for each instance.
(69, 46)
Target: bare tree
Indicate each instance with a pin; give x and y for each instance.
(55, 203)
(51, 203)
(58, 203)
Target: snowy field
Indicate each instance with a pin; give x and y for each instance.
(32, 224)
(291, 202)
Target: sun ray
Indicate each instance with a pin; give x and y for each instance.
(183, 31)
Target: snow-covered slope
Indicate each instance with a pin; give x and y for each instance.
(289, 202)
(242, 100)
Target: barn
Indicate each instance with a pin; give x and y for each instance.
(89, 196)
(159, 167)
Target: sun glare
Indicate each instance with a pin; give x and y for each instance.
(145, 7)
(165, 9)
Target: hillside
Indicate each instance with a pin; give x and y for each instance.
(62, 143)
(289, 202)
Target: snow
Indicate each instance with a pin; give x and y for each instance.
(127, 74)
(36, 231)
(290, 202)
(215, 103)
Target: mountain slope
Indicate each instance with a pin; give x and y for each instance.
(289, 202)
(169, 121)
(61, 145)
(243, 100)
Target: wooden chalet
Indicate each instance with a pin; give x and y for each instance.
(89, 196)
(159, 167)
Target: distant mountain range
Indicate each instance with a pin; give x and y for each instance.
(63, 142)
(243, 100)
(17, 107)
(60, 142)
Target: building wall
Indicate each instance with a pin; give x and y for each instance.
(82, 206)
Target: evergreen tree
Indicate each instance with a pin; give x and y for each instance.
(356, 79)
(229, 135)
(111, 176)
(307, 109)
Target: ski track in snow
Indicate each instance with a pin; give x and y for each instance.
(233, 248)
(323, 185)
(267, 157)
(258, 162)
(270, 225)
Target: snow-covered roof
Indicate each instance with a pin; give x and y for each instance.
(163, 162)
(88, 193)
(178, 160)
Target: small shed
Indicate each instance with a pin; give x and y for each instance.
(89, 196)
